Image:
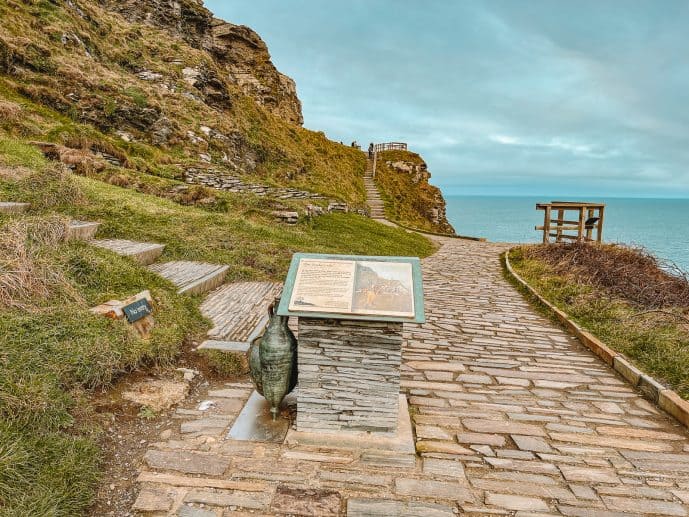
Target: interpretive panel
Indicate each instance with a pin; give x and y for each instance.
(387, 288)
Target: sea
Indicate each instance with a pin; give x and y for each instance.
(659, 225)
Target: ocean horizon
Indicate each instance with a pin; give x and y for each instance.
(661, 225)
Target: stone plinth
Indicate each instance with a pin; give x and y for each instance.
(349, 375)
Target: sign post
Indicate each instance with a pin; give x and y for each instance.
(351, 310)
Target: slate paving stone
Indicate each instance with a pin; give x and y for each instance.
(385, 508)
(154, 500)
(188, 462)
(297, 501)
(432, 489)
(528, 422)
(192, 511)
(516, 502)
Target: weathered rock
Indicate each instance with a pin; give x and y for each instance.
(157, 394)
(295, 501)
(241, 56)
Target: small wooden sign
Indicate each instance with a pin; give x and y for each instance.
(137, 310)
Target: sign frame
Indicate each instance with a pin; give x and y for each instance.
(419, 310)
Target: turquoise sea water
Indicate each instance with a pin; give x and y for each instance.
(660, 225)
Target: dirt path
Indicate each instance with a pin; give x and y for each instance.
(512, 417)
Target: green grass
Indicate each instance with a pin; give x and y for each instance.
(55, 351)
(246, 238)
(659, 347)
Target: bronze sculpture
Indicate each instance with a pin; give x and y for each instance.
(273, 361)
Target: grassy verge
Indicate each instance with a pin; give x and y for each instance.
(55, 351)
(655, 339)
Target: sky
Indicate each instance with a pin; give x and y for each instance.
(545, 97)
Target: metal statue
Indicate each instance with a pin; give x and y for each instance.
(273, 361)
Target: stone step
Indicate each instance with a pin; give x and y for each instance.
(237, 310)
(9, 207)
(144, 253)
(81, 230)
(233, 347)
(192, 277)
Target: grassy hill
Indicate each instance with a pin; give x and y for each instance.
(83, 75)
(55, 352)
(135, 94)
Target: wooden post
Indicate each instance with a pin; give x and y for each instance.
(601, 211)
(582, 223)
(546, 226)
(560, 222)
(589, 229)
(375, 162)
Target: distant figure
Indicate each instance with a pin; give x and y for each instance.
(354, 143)
(370, 150)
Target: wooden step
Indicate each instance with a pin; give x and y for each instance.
(237, 310)
(144, 253)
(192, 277)
(81, 230)
(9, 207)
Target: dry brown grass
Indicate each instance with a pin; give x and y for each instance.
(50, 188)
(9, 111)
(13, 173)
(26, 276)
(630, 273)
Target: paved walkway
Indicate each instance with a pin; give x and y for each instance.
(512, 417)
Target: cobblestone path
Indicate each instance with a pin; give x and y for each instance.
(512, 417)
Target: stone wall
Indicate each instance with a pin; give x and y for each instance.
(223, 181)
(349, 375)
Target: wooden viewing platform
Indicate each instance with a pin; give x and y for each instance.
(588, 219)
(390, 146)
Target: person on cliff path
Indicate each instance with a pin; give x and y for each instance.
(370, 150)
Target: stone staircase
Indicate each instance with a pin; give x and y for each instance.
(373, 199)
(238, 311)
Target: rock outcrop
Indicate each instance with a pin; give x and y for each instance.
(404, 180)
(237, 50)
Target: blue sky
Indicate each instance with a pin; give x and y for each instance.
(540, 97)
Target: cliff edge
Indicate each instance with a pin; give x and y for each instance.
(403, 180)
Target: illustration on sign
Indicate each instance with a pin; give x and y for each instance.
(354, 287)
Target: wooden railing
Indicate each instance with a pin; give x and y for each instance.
(390, 146)
(588, 219)
(387, 146)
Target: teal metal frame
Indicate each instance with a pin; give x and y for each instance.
(419, 312)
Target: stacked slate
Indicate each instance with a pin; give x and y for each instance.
(338, 207)
(349, 375)
(288, 217)
(223, 181)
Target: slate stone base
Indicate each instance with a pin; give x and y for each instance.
(349, 375)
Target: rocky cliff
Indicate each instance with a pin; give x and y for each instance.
(237, 50)
(410, 199)
(166, 88)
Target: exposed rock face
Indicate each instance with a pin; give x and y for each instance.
(418, 172)
(238, 52)
(424, 199)
(246, 58)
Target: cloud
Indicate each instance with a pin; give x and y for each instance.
(498, 96)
